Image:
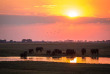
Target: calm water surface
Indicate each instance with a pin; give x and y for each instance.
(89, 60)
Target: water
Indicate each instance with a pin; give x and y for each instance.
(88, 60)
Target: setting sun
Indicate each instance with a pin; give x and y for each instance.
(72, 14)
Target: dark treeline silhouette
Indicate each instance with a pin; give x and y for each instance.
(3, 41)
(26, 40)
(42, 41)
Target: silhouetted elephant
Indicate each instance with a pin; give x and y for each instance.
(39, 49)
(70, 52)
(83, 50)
(53, 53)
(48, 52)
(31, 51)
(95, 51)
(56, 51)
(23, 55)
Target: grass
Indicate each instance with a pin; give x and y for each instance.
(29, 67)
(14, 49)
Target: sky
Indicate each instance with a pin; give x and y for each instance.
(52, 20)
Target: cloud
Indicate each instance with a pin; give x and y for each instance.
(45, 6)
(19, 20)
(87, 20)
(22, 20)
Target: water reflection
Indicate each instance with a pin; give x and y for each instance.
(95, 57)
(56, 57)
(74, 60)
(90, 60)
(83, 58)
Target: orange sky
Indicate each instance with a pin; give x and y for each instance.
(98, 8)
(49, 20)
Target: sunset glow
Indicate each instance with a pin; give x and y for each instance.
(55, 20)
(72, 14)
(55, 36)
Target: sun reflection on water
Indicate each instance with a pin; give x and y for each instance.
(74, 60)
(90, 60)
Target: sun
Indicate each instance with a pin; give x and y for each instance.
(72, 14)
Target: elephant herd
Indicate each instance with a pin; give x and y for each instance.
(70, 52)
(30, 51)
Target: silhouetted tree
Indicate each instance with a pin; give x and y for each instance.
(23, 40)
(26, 40)
(29, 40)
(3, 41)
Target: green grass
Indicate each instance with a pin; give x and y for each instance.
(52, 68)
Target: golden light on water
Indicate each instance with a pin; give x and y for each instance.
(74, 60)
(89, 60)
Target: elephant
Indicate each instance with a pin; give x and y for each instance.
(56, 51)
(39, 49)
(48, 52)
(23, 55)
(70, 52)
(94, 51)
(31, 51)
(83, 50)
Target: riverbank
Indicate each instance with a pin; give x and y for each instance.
(29, 67)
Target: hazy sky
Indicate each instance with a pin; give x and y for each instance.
(55, 19)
